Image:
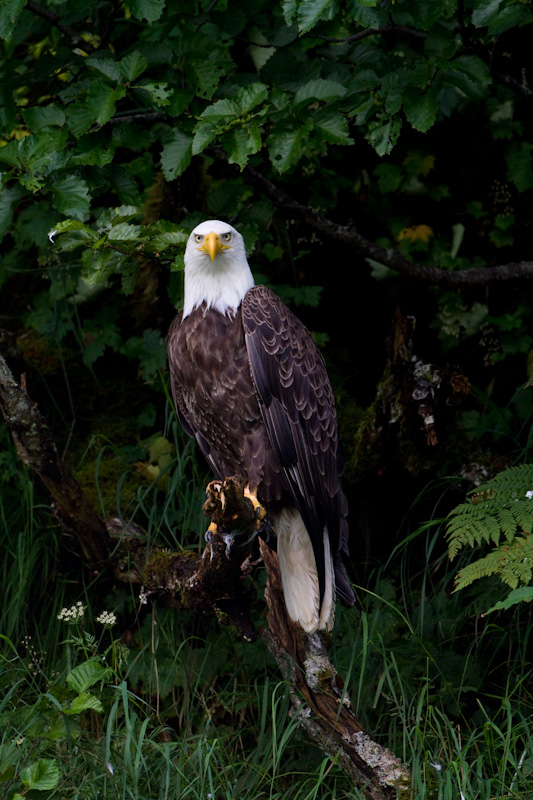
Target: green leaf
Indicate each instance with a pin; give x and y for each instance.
(9, 12)
(484, 11)
(158, 91)
(102, 100)
(285, 147)
(524, 594)
(207, 77)
(319, 89)
(427, 13)
(176, 154)
(149, 10)
(80, 117)
(9, 199)
(124, 232)
(333, 126)
(166, 234)
(68, 225)
(105, 65)
(241, 143)
(513, 15)
(364, 80)
(364, 14)
(470, 74)
(520, 166)
(248, 97)
(41, 776)
(9, 154)
(289, 9)
(98, 266)
(151, 351)
(420, 109)
(123, 213)
(133, 65)
(71, 197)
(85, 701)
(86, 675)
(383, 135)
(222, 109)
(310, 11)
(204, 134)
(43, 117)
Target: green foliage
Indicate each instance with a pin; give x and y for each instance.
(499, 513)
(123, 126)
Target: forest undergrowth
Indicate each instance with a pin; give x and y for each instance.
(104, 696)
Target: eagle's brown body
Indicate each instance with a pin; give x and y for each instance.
(252, 388)
(216, 399)
(249, 384)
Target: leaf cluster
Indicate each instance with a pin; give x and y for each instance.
(316, 76)
(499, 513)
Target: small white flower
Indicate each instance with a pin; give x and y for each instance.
(110, 767)
(51, 236)
(529, 494)
(72, 614)
(106, 618)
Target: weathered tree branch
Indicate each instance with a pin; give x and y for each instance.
(207, 583)
(320, 700)
(214, 581)
(55, 20)
(36, 448)
(349, 235)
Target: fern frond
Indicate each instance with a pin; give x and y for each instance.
(512, 563)
(500, 508)
(500, 512)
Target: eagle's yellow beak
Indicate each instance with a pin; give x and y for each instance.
(212, 245)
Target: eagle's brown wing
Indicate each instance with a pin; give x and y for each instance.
(297, 406)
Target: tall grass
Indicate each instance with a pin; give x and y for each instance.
(188, 710)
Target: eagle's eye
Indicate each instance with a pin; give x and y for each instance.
(198, 238)
(226, 237)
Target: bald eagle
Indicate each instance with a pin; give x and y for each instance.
(250, 385)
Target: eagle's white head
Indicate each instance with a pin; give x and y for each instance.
(216, 268)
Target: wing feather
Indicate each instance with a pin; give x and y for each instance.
(297, 406)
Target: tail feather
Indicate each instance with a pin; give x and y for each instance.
(299, 574)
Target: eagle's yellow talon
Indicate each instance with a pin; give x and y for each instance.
(260, 511)
(212, 529)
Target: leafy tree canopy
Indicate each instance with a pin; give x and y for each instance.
(330, 133)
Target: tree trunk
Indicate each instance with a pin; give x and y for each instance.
(213, 582)
(320, 699)
(36, 448)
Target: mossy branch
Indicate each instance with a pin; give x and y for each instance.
(321, 702)
(36, 448)
(213, 581)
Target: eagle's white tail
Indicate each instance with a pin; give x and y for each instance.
(299, 574)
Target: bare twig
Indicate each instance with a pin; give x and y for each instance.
(55, 20)
(356, 37)
(349, 235)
